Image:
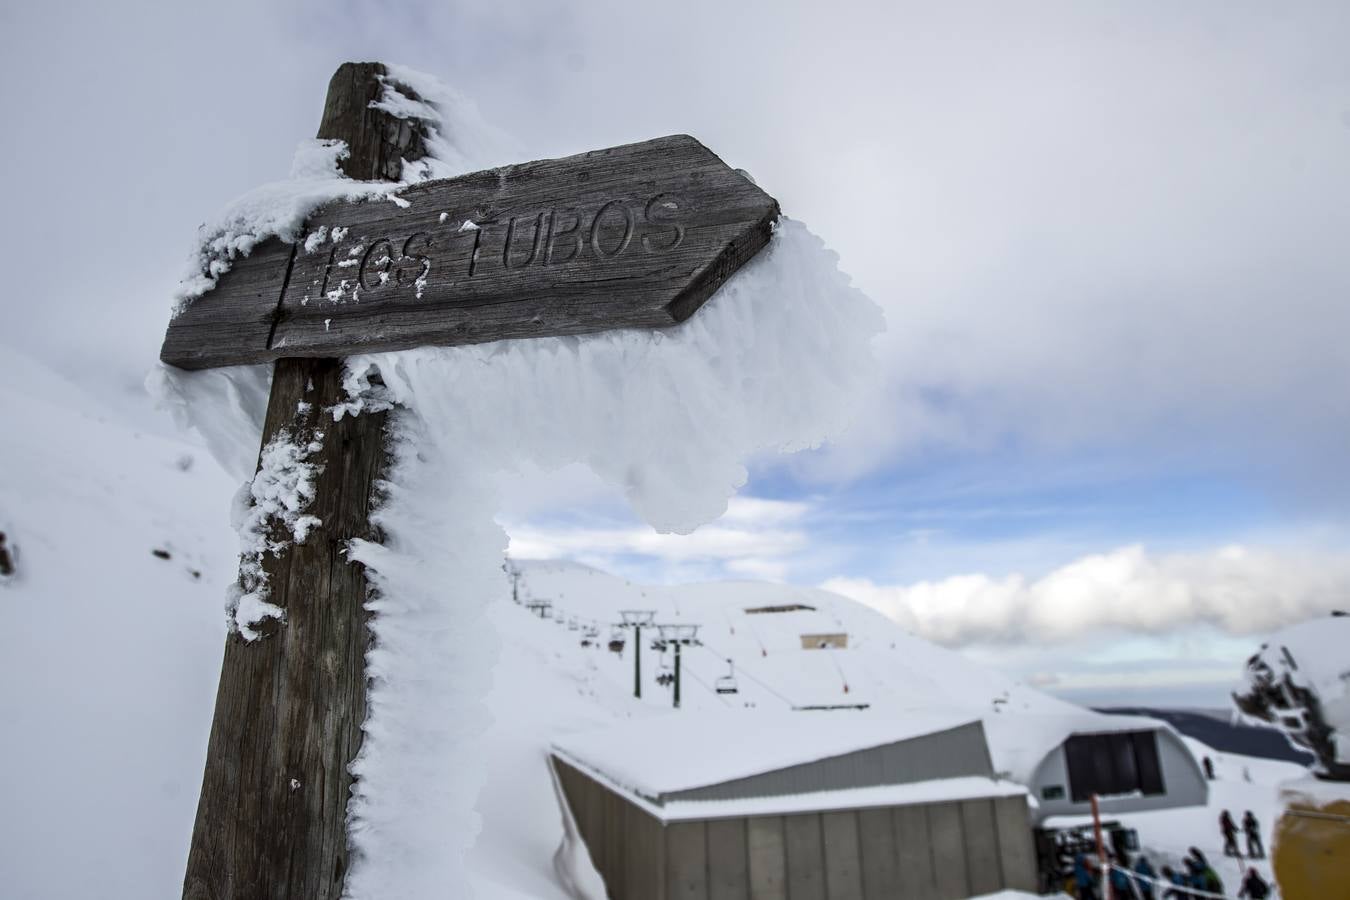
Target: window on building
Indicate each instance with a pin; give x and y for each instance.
(1118, 763)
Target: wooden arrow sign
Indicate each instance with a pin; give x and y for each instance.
(637, 236)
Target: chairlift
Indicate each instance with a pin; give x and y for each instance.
(573, 624)
(727, 683)
(592, 632)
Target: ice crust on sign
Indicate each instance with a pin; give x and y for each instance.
(270, 515)
(279, 209)
(226, 406)
(773, 361)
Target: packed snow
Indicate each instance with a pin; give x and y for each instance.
(111, 651)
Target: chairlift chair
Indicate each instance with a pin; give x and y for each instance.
(727, 683)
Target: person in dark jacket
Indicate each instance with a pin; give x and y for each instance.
(1120, 882)
(1209, 768)
(1230, 830)
(1178, 881)
(1254, 887)
(1084, 878)
(1255, 849)
(1206, 879)
(1143, 885)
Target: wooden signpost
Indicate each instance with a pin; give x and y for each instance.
(631, 237)
(637, 236)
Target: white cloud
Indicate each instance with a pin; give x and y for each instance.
(755, 538)
(1237, 589)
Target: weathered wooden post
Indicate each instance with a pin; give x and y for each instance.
(632, 236)
(271, 821)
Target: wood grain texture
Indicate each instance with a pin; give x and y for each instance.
(271, 820)
(637, 236)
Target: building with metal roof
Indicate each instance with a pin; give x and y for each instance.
(833, 806)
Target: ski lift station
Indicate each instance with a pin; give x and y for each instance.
(1134, 763)
(723, 806)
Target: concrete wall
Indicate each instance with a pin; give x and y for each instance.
(1184, 783)
(937, 851)
(954, 753)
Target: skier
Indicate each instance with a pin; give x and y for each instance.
(1143, 884)
(1209, 768)
(1229, 829)
(1254, 886)
(6, 558)
(1253, 830)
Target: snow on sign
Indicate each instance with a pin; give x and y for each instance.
(633, 236)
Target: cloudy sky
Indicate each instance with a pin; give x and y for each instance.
(1109, 448)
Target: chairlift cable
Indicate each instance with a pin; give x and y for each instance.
(691, 673)
(746, 674)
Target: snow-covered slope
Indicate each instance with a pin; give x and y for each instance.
(883, 667)
(882, 664)
(109, 653)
